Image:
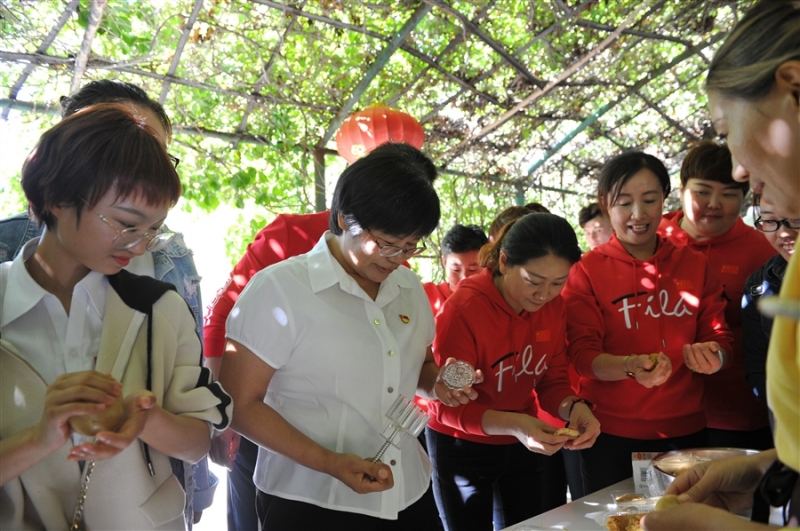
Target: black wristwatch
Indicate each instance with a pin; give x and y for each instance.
(583, 400)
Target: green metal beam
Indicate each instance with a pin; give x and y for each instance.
(538, 163)
(27, 106)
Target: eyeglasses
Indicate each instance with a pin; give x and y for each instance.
(388, 251)
(131, 237)
(771, 225)
(175, 160)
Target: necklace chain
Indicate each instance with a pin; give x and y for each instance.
(77, 517)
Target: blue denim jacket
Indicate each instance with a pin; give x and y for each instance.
(173, 264)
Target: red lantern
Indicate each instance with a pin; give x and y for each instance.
(363, 131)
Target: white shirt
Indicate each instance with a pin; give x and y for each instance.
(34, 321)
(341, 360)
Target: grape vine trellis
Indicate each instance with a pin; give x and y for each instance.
(521, 100)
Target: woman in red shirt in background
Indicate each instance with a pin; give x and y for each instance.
(710, 223)
(637, 296)
(509, 322)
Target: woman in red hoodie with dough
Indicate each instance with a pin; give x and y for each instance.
(646, 322)
(509, 322)
(710, 223)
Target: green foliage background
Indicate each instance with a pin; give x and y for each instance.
(257, 86)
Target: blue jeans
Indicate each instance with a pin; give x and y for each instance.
(476, 484)
(241, 489)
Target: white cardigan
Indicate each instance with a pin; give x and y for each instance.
(122, 494)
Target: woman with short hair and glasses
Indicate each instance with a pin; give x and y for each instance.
(173, 261)
(320, 345)
(766, 281)
(80, 334)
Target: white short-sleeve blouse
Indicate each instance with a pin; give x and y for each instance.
(341, 360)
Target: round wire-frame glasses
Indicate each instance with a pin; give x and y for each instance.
(389, 251)
(131, 237)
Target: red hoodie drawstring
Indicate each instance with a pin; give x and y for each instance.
(635, 295)
(658, 296)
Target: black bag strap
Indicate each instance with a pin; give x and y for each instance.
(776, 489)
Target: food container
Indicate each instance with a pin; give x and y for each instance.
(617, 520)
(664, 468)
(625, 498)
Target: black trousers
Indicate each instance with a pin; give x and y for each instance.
(609, 460)
(749, 440)
(485, 486)
(561, 470)
(288, 515)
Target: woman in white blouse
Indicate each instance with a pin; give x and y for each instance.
(79, 333)
(320, 345)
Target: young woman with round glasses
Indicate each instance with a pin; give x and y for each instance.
(173, 262)
(80, 334)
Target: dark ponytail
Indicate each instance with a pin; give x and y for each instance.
(530, 237)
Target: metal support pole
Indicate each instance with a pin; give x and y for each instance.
(319, 180)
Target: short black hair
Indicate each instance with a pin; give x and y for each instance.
(390, 190)
(425, 166)
(588, 213)
(537, 207)
(462, 239)
(529, 237)
(113, 91)
(621, 168)
(709, 161)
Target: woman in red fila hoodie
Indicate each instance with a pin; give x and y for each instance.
(710, 223)
(645, 323)
(509, 322)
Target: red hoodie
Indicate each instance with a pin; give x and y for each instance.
(734, 256)
(287, 236)
(437, 294)
(620, 305)
(517, 354)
